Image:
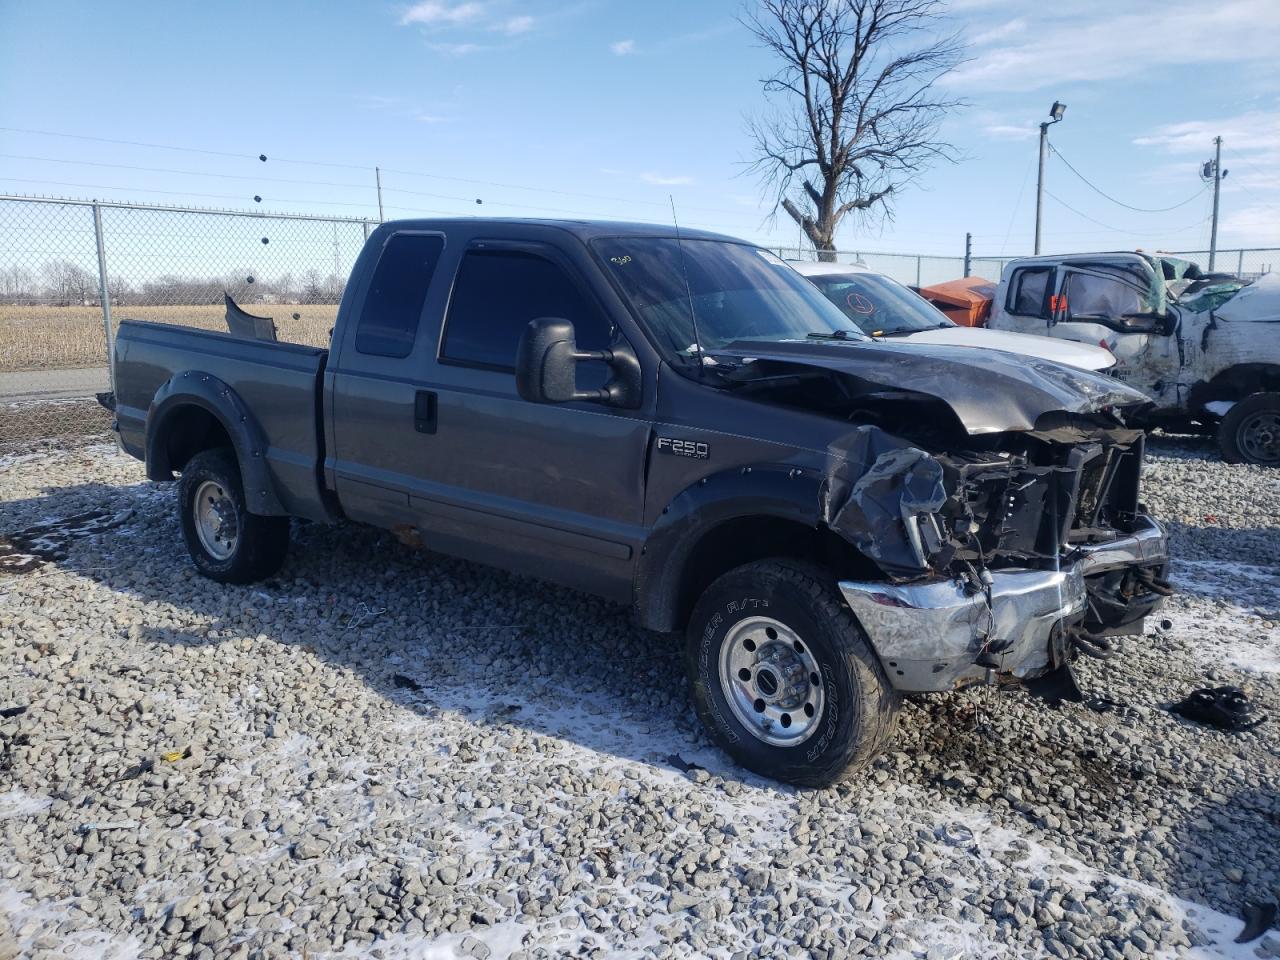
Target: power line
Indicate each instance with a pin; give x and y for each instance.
(1121, 203)
(185, 193)
(353, 166)
(1133, 233)
(188, 173)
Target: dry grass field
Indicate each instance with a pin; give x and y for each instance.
(56, 338)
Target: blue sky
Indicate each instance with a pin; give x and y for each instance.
(606, 108)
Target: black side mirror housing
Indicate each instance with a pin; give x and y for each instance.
(547, 367)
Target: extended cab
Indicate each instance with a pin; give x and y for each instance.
(683, 424)
(1204, 347)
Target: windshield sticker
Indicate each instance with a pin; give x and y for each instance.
(622, 260)
(860, 304)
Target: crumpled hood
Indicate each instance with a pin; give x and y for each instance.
(990, 391)
(1259, 302)
(1083, 355)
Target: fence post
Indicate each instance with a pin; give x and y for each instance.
(917, 270)
(1240, 262)
(968, 253)
(104, 292)
(365, 226)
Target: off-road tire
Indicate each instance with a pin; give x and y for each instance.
(1231, 429)
(261, 542)
(860, 708)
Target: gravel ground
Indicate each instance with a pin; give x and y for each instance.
(386, 754)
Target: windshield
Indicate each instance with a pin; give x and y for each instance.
(879, 306)
(735, 292)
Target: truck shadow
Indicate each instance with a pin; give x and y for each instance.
(426, 631)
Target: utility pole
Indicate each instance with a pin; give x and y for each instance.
(968, 253)
(1056, 112)
(377, 173)
(1218, 174)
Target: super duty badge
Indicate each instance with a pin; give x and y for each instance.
(684, 448)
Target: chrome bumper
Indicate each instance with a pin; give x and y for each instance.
(929, 635)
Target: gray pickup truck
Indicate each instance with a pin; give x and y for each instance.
(680, 423)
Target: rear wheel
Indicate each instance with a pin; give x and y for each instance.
(1250, 432)
(784, 677)
(227, 542)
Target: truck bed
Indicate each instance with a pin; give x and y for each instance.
(278, 382)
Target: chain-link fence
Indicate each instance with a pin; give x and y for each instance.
(71, 270)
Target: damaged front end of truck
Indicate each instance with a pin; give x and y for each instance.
(1000, 501)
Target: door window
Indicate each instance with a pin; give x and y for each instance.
(389, 318)
(497, 293)
(1028, 291)
(1101, 299)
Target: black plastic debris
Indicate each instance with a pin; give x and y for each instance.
(1227, 708)
(137, 770)
(401, 682)
(1258, 919)
(9, 713)
(1102, 704)
(681, 764)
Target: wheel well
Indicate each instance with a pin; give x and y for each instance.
(187, 431)
(747, 539)
(1236, 383)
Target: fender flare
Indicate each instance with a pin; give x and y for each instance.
(775, 491)
(194, 388)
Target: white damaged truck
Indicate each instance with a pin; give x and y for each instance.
(1204, 347)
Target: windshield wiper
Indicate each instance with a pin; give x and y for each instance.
(833, 335)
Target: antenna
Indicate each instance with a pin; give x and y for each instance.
(688, 292)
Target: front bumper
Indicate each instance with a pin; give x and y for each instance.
(929, 635)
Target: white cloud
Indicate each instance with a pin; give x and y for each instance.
(658, 180)
(999, 32)
(1082, 40)
(1257, 130)
(516, 25)
(436, 13)
(621, 48)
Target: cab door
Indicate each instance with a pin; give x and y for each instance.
(553, 490)
(378, 403)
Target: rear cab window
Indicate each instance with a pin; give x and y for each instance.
(392, 308)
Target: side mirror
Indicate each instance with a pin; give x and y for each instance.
(547, 367)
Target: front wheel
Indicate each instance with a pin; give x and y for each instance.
(1250, 432)
(784, 677)
(227, 542)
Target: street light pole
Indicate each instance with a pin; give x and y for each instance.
(1056, 112)
(1217, 185)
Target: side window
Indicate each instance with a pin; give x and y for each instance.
(1088, 295)
(389, 318)
(1027, 291)
(497, 293)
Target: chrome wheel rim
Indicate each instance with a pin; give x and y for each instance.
(771, 681)
(1259, 437)
(215, 520)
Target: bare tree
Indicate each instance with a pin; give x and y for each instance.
(68, 283)
(859, 112)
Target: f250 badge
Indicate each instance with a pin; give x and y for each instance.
(684, 448)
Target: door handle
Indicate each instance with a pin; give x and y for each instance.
(424, 411)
